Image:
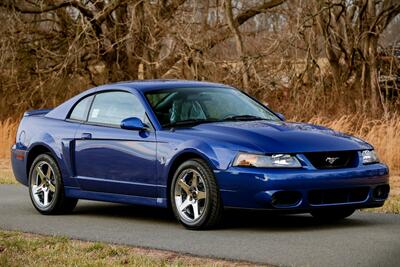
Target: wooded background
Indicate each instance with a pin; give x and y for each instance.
(304, 58)
(329, 62)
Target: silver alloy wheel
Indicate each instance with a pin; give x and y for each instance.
(190, 195)
(43, 184)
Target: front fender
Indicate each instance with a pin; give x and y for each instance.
(218, 158)
(201, 148)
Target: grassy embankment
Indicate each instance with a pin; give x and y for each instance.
(21, 249)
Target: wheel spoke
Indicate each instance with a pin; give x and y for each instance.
(52, 187)
(37, 189)
(184, 186)
(45, 197)
(185, 204)
(196, 212)
(201, 195)
(41, 174)
(195, 180)
(48, 175)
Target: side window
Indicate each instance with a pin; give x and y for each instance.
(80, 110)
(112, 107)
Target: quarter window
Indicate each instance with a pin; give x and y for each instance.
(80, 110)
(113, 107)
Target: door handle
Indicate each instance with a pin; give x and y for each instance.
(86, 136)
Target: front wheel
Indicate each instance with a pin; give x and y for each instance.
(332, 214)
(195, 197)
(46, 188)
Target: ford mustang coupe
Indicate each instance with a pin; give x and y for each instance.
(196, 147)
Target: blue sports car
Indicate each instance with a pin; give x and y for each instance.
(196, 147)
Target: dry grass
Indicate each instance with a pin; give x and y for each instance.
(8, 129)
(20, 249)
(6, 175)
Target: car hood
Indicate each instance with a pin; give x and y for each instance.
(278, 137)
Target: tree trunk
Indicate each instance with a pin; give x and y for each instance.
(239, 44)
(370, 54)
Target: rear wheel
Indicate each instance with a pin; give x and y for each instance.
(46, 188)
(333, 214)
(195, 197)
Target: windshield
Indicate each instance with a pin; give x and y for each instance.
(185, 106)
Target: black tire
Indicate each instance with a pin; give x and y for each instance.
(332, 214)
(59, 204)
(213, 208)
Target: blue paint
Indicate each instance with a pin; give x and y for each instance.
(133, 166)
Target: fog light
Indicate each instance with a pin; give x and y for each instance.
(286, 199)
(381, 192)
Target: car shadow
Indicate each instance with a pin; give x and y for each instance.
(124, 211)
(233, 219)
(262, 220)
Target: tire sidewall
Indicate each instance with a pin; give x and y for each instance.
(48, 159)
(193, 164)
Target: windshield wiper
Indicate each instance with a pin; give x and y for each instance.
(243, 118)
(190, 122)
(194, 122)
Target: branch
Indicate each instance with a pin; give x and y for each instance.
(111, 7)
(240, 19)
(47, 8)
(223, 32)
(169, 10)
(35, 10)
(385, 17)
(85, 11)
(248, 14)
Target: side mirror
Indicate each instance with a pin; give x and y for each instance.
(280, 116)
(133, 123)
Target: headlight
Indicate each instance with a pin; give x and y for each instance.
(369, 156)
(266, 161)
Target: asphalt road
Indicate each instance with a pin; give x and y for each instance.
(365, 239)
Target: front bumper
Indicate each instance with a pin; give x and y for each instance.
(309, 189)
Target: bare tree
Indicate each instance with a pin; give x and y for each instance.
(350, 31)
(296, 55)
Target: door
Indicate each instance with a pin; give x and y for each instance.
(111, 159)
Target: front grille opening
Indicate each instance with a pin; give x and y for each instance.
(381, 192)
(286, 199)
(333, 160)
(334, 196)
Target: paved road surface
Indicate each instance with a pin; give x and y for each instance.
(363, 240)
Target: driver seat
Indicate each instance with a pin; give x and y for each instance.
(186, 110)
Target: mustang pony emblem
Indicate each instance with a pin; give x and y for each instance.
(331, 160)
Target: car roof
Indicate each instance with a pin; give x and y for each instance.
(61, 111)
(152, 85)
